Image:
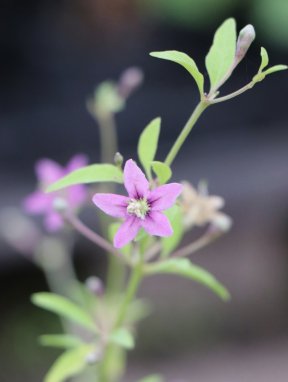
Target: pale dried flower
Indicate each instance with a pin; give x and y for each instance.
(200, 209)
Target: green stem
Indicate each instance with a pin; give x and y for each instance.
(202, 105)
(234, 94)
(133, 284)
(108, 137)
(109, 147)
(115, 274)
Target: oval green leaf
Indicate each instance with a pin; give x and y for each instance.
(64, 308)
(93, 173)
(171, 242)
(70, 363)
(148, 143)
(187, 62)
(162, 170)
(123, 338)
(221, 55)
(185, 268)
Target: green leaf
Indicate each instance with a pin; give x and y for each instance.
(185, 268)
(171, 242)
(123, 338)
(264, 59)
(162, 170)
(60, 340)
(148, 143)
(261, 75)
(70, 363)
(64, 308)
(275, 68)
(93, 173)
(222, 52)
(187, 62)
(152, 378)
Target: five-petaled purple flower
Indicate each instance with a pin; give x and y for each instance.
(39, 202)
(142, 208)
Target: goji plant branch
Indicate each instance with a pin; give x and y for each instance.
(133, 284)
(198, 244)
(109, 147)
(108, 136)
(234, 94)
(202, 105)
(89, 234)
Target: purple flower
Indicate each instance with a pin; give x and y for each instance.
(39, 202)
(142, 208)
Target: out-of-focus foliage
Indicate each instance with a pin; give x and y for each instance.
(195, 13)
(271, 18)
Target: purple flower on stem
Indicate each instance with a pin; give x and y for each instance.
(142, 208)
(39, 202)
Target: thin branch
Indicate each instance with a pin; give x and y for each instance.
(200, 243)
(89, 234)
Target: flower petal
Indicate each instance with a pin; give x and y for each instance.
(53, 221)
(127, 231)
(37, 202)
(77, 161)
(76, 195)
(216, 202)
(112, 204)
(157, 224)
(164, 197)
(135, 181)
(48, 171)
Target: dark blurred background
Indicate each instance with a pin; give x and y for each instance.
(53, 54)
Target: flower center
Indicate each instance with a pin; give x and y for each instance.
(138, 207)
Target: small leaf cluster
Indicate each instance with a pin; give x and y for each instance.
(221, 60)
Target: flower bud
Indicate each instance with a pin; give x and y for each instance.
(118, 159)
(245, 39)
(95, 285)
(93, 357)
(129, 81)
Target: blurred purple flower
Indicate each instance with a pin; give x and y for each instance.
(39, 202)
(142, 208)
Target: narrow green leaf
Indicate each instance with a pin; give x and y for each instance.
(70, 363)
(148, 143)
(93, 173)
(162, 170)
(264, 59)
(275, 68)
(187, 62)
(222, 52)
(123, 338)
(64, 308)
(65, 341)
(185, 268)
(171, 242)
(152, 378)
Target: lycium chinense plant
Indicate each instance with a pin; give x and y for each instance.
(144, 236)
